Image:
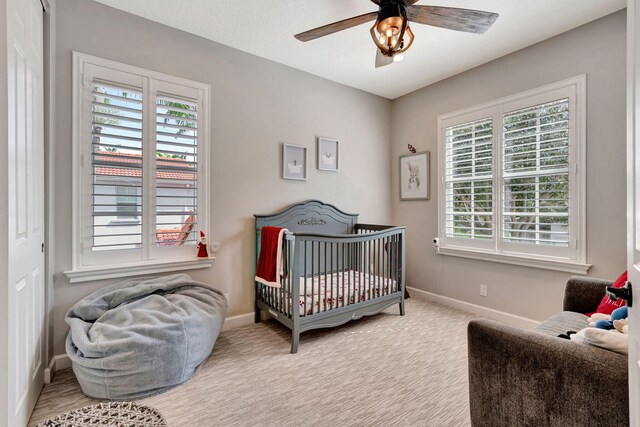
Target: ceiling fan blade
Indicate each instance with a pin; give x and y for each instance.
(382, 60)
(325, 30)
(452, 18)
(406, 2)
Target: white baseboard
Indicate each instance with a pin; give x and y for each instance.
(237, 321)
(58, 362)
(489, 313)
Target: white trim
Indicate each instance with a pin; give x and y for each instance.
(88, 274)
(50, 96)
(526, 260)
(238, 321)
(489, 313)
(572, 258)
(58, 363)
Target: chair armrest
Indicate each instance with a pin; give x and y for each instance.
(521, 377)
(583, 294)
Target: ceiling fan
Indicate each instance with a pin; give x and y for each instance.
(391, 32)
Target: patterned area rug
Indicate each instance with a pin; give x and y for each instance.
(120, 414)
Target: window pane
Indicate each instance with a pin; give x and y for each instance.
(536, 175)
(176, 171)
(469, 180)
(116, 159)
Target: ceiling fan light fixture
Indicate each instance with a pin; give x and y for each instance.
(391, 31)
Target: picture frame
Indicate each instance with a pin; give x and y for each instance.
(414, 176)
(294, 162)
(328, 154)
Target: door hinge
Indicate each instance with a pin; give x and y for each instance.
(43, 248)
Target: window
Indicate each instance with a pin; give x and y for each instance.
(140, 169)
(511, 186)
(127, 203)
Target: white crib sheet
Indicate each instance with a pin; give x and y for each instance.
(329, 291)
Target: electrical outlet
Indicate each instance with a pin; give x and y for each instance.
(484, 290)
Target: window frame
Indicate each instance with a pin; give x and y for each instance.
(147, 259)
(571, 259)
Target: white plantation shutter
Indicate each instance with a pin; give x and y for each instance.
(469, 180)
(511, 188)
(116, 166)
(176, 164)
(140, 189)
(535, 160)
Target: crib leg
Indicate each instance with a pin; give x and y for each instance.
(257, 317)
(401, 308)
(295, 339)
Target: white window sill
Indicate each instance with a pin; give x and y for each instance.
(547, 263)
(88, 274)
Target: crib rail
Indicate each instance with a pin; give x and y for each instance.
(333, 273)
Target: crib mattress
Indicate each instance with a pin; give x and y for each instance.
(329, 291)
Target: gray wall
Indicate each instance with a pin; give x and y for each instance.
(597, 50)
(256, 105)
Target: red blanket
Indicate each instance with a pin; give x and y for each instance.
(270, 263)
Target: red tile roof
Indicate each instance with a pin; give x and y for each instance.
(136, 159)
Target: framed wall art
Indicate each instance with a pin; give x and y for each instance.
(414, 176)
(328, 154)
(294, 162)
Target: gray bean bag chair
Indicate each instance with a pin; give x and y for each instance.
(143, 336)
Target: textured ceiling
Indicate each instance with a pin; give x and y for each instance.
(266, 27)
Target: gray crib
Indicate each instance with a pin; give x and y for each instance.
(337, 270)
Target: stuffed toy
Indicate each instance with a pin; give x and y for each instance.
(621, 326)
(617, 320)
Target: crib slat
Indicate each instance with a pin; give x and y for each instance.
(305, 279)
(383, 275)
(289, 299)
(369, 261)
(325, 277)
(313, 258)
(319, 284)
(283, 282)
(378, 255)
(331, 272)
(387, 265)
(342, 274)
(395, 261)
(350, 272)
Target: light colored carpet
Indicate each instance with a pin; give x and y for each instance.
(382, 370)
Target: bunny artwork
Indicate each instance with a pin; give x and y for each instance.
(414, 176)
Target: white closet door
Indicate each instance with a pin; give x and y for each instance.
(25, 202)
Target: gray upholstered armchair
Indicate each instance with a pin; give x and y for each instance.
(533, 378)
